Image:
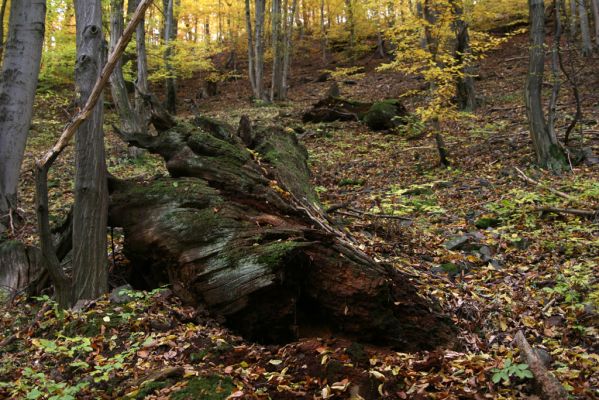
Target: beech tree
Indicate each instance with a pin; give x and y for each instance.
(90, 211)
(20, 71)
(547, 149)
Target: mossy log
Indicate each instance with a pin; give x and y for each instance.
(241, 230)
(380, 115)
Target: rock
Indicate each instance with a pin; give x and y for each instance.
(485, 253)
(120, 294)
(456, 242)
(325, 76)
(385, 114)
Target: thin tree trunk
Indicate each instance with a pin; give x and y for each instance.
(169, 36)
(129, 118)
(573, 18)
(91, 193)
(141, 81)
(287, 49)
(323, 31)
(277, 51)
(465, 85)
(351, 26)
(18, 83)
(549, 154)
(2, 13)
(248, 26)
(595, 6)
(555, 49)
(259, 48)
(585, 33)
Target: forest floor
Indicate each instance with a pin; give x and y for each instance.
(473, 239)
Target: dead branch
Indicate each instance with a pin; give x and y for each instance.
(573, 211)
(101, 83)
(548, 385)
(361, 214)
(537, 183)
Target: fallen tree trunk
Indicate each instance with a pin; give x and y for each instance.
(378, 116)
(243, 232)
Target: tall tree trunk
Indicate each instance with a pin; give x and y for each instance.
(573, 18)
(91, 193)
(465, 85)
(18, 83)
(129, 119)
(585, 33)
(595, 5)
(141, 82)
(324, 44)
(548, 153)
(351, 22)
(555, 55)
(251, 60)
(277, 51)
(287, 49)
(169, 37)
(259, 48)
(2, 13)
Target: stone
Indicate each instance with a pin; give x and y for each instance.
(120, 294)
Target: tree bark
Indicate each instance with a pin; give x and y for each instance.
(287, 49)
(2, 14)
(585, 33)
(259, 49)
(595, 5)
(20, 71)
(91, 193)
(276, 90)
(573, 19)
(169, 36)
(251, 242)
(465, 86)
(141, 82)
(130, 121)
(548, 153)
(251, 58)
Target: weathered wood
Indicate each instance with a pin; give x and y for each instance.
(243, 232)
(548, 386)
(22, 266)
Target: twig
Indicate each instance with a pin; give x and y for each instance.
(573, 211)
(360, 214)
(546, 306)
(548, 385)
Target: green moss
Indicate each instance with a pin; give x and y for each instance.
(167, 190)
(381, 115)
(272, 254)
(487, 222)
(206, 388)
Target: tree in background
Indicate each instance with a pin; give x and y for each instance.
(20, 70)
(547, 149)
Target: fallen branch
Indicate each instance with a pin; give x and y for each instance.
(101, 83)
(548, 385)
(360, 214)
(537, 183)
(573, 211)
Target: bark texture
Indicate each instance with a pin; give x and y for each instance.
(548, 153)
(245, 235)
(91, 193)
(21, 266)
(18, 83)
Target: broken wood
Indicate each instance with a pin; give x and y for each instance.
(548, 386)
(537, 183)
(243, 232)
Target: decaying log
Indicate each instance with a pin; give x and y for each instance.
(243, 232)
(380, 115)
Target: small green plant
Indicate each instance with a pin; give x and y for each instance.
(509, 370)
